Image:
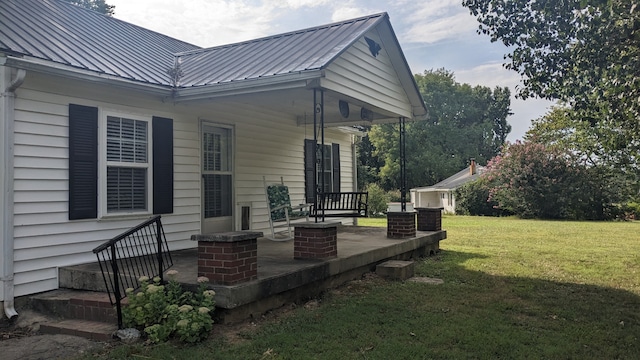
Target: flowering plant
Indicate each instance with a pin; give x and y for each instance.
(163, 311)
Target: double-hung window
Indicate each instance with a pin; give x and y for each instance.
(119, 164)
(127, 175)
(325, 175)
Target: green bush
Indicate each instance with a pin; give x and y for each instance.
(473, 199)
(163, 311)
(378, 200)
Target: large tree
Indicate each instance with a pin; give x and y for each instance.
(96, 5)
(585, 53)
(464, 122)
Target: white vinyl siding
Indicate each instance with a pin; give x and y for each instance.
(268, 143)
(360, 75)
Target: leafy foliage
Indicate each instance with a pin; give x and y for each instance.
(377, 200)
(464, 122)
(96, 5)
(585, 53)
(166, 310)
(473, 199)
(532, 180)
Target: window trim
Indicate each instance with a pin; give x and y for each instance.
(103, 164)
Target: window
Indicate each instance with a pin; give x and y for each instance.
(127, 164)
(313, 170)
(133, 157)
(324, 177)
(217, 171)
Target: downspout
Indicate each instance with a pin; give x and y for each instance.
(7, 119)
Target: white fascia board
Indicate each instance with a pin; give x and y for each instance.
(51, 68)
(248, 86)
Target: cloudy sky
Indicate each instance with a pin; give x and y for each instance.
(433, 33)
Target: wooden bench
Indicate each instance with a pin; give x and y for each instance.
(341, 204)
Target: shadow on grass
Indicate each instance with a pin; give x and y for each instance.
(488, 316)
(473, 315)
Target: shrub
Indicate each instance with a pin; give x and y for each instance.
(378, 200)
(163, 311)
(473, 199)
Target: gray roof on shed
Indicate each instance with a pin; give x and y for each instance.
(454, 181)
(56, 31)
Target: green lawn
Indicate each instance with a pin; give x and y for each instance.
(514, 289)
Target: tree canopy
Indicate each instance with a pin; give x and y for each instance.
(585, 53)
(96, 5)
(464, 122)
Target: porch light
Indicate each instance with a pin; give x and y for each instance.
(344, 108)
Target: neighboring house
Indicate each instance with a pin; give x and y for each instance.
(104, 123)
(442, 194)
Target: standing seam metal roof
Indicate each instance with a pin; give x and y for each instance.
(57, 31)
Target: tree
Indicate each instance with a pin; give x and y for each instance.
(96, 5)
(464, 122)
(532, 180)
(585, 53)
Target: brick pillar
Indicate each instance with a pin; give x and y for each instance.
(429, 219)
(228, 258)
(401, 225)
(315, 240)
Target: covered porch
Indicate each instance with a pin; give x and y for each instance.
(281, 278)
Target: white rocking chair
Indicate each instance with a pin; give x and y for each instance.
(281, 213)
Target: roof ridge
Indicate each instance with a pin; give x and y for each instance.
(113, 18)
(289, 33)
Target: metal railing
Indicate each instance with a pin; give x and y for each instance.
(139, 251)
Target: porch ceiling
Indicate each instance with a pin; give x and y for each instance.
(298, 102)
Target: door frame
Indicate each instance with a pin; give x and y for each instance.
(230, 220)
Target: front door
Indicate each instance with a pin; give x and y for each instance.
(217, 178)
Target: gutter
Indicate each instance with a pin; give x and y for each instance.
(50, 68)
(8, 87)
(248, 86)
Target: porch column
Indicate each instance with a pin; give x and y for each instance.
(315, 240)
(401, 224)
(429, 219)
(228, 258)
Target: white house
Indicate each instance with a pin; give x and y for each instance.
(104, 123)
(441, 195)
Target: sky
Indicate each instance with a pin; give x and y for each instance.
(433, 34)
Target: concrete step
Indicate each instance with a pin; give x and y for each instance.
(94, 330)
(76, 304)
(396, 269)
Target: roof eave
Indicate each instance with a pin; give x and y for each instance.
(419, 108)
(248, 86)
(68, 72)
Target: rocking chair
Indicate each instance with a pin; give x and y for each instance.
(281, 213)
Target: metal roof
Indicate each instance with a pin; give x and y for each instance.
(293, 52)
(57, 31)
(454, 181)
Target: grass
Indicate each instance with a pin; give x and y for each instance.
(516, 289)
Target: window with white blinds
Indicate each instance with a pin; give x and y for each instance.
(127, 158)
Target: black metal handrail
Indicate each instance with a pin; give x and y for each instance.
(139, 251)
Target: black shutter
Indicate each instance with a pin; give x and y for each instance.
(335, 163)
(309, 170)
(83, 162)
(162, 165)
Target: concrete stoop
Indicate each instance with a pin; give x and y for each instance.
(87, 314)
(396, 269)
